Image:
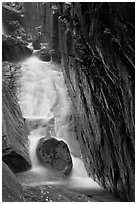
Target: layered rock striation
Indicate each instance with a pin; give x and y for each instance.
(97, 49)
(14, 133)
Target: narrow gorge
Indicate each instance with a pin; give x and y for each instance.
(68, 102)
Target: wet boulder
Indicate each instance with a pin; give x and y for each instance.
(36, 43)
(14, 133)
(12, 190)
(43, 54)
(55, 154)
(14, 49)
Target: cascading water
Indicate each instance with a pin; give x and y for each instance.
(43, 97)
(45, 103)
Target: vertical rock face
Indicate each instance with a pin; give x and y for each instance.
(97, 48)
(14, 133)
(33, 16)
(10, 74)
(50, 29)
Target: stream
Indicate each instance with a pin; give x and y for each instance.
(45, 104)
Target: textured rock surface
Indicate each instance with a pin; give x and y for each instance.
(55, 154)
(11, 14)
(14, 49)
(11, 74)
(11, 19)
(12, 190)
(97, 47)
(55, 194)
(14, 133)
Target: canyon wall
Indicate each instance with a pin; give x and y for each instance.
(97, 49)
(14, 129)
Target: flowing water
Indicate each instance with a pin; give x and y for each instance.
(45, 104)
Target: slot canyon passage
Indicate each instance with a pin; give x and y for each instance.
(68, 101)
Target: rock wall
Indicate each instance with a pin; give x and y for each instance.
(51, 29)
(97, 49)
(14, 133)
(33, 16)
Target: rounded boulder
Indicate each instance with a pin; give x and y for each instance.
(55, 154)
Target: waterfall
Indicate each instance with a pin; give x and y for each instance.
(43, 97)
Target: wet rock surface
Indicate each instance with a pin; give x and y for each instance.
(14, 133)
(97, 46)
(50, 193)
(12, 190)
(14, 49)
(54, 154)
(43, 54)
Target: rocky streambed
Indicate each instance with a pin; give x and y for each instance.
(13, 191)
